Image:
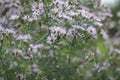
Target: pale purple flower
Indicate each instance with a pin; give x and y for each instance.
(13, 17)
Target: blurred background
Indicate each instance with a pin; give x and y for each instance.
(114, 30)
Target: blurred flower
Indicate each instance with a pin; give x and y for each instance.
(58, 30)
(35, 47)
(13, 17)
(104, 34)
(13, 64)
(26, 17)
(71, 32)
(24, 38)
(51, 39)
(18, 52)
(91, 30)
(44, 78)
(86, 14)
(10, 31)
(1, 29)
(21, 76)
(35, 15)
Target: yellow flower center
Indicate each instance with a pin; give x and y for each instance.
(37, 7)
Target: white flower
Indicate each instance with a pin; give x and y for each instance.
(71, 13)
(35, 47)
(91, 30)
(1, 29)
(54, 79)
(30, 19)
(96, 18)
(35, 15)
(86, 14)
(18, 52)
(13, 64)
(51, 39)
(13, 17)
(118, 14)
(26, 17)
(21, 76)
(78, 27)
(44, 78)
(24, 38)
(98, 23)
(59, 3)
(104, 34)
(37, 7)
(66, 17)
(58, 30)
(71, 32)
(10, 31)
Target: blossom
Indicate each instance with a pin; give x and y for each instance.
(51, 39)
(58, 2)
(86, 14)
(1, 29)
(44, 78)
(29, 18)
(35, 15)
(10, 31)
(71, 13)
(104, 34)
(35, 47)
(13, 64)
(13, 17)
(98, 23)
(37, 7)
(24, 38)
(18, 52)
(67, 17)
(26, 17)
(91, 30)
(78, 27)
(71, 31)
(58, 30)
(21, 76)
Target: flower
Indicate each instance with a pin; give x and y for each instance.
(35, 15)
(24, 38)
(67, 17)
(71, 13)
(10, 31)
(26, 17)
(78, 27)
(18, 52)
(21, 76)
(104, 34)
(98, 23)
(35, 47)
(51, 39)
(71, 32)
(91, 30)
(58, 30)
(13, 17)
(37, 7)
(1, 29)
(86, 14)
(44, 78)
(13, 64)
